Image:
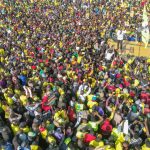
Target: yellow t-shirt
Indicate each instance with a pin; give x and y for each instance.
(18, 92)
(26, 129)
(44, 134)
(2, 59)
(51, 139)
(136, 82)
(93, 125)
(89, 97)
(15, 128)
(60, 44)
(34, 147)
(2, 52)
(60, 117)
(126, 66)
(6, 109)
(108, 147)
(79, 107)
(80, 135)
(117, 91)
(79, 59)
(119, 146)
(9, 101)
(144, 147)
(23, 99)
(93, 83)
(45, 84)
(90, 104)
(61, 91)
(96, 144)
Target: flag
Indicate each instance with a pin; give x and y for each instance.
(145, 30)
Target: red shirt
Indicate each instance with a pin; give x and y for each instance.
(60, 68)
(42, 129)
(101, 68)
(144, 95)
(51, 79)
(88, 138)
(44, 106)
(40, 60)
(132, 94)
(143, 3)
(146, 111)
(52, 51)
(126, 83)
(111, 87)
(33, 67)
(71, 114)
(118, 75)
(106, 126)
(114, 63)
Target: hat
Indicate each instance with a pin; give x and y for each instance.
(31, 134)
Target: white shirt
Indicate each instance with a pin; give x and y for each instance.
(120, 34)
(108, 55)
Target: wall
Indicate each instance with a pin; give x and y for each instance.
(133, 48)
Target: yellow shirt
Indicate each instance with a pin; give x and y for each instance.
(89, 97)
(80, 135)
(26, 129)
(61, 91)
(108, 147)
(15, 128)
(60, 116)
(51, 139)
(9, 101)
(23, 99)
(45, 84)
(126, 66)
(44, 134)
(93, 82)
(6, 109)
(119, 146)
(34, 147)
(144, 147)
(90, 104)
(2, 52)
(18, 92)
(60, 44)
(79, 59)
(136, 82)
(96, 144)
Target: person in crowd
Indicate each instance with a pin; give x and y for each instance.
(62, 85)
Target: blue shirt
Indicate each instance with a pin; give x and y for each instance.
(23, 79)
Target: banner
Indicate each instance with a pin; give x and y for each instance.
(145, 28)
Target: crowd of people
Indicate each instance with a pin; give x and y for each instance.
(62, 86)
